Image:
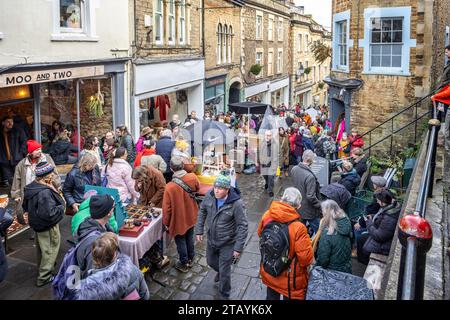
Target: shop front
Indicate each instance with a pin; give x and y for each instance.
(258, 92)
(279, 92)
(165, 88)
(215, 94)
(303, 95)
(84, 98)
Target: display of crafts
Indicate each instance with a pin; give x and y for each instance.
(140, 215)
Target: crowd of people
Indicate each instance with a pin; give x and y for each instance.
(153, 172)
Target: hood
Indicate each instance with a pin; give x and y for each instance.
(33, 189)
(109, 282)
(86, 227)
(282, 212)
(344, 227)
(148, 152)
(233, 196)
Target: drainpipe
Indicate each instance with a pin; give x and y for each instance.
(203, 28)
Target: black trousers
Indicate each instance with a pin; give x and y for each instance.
(273, 295)
(363, 256)
(7, 171)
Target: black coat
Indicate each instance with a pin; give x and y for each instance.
(73, 188)
(361, 166)
(45, 207)
(17, 146)
(350, 181)
(5, 221)
(381, 229)
(60, 151)
(338, 193)
(164, 147)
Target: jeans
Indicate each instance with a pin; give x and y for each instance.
(270, 180)
(273, 295)
(221, 259)
(185, 246)
(358, 233)
(313, 223)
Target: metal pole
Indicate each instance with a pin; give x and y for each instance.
(392, 134)
(409, 276)
(370, 142)
(78, 116)
(415, 128)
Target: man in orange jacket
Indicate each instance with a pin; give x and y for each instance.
(293, 281)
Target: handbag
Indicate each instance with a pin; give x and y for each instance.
(186, 188)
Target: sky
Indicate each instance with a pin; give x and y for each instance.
(320, 10)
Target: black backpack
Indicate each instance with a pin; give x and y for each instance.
(274, 247)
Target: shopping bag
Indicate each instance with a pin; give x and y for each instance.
(278, 172)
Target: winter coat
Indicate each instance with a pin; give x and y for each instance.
(119, 177)
(350, 180)
(343, 148)
(268, 157)
(83, 213)
(356, 142)
(180, 211)
(24, 174)
(45, 207)
(443, 95)
(96, 153)
(338, 193)
(307, 143)
(5, 222)
(381, 229)
(360, 166)
(227, 225)
(296, 141)
(325, 147)
(127, 143)
(164, 147)
(60, 151)
(140, 144)
(114, 282)
(444, 79)
(17, 146)
(289, 121)
(154, 161)
(334, 251)
(299, 247)
(143, 153)
(152, 187)
(284, 151)
(84, 251)
(306, 182)
(73, 188)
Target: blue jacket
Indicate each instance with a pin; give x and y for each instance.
(308, 144)
(164, 147)
(73, 188)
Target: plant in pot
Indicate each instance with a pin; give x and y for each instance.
(255, 69)
(307, 70)
(321, 85)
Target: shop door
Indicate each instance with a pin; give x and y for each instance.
(235, 93)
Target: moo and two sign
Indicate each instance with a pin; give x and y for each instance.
(24, 78)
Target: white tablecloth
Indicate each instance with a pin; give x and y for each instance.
(137, 247)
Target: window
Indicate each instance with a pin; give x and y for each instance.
(72, 15)
(259, 25)
(280, 61)
(259, 60)
(225, 44)
(73, 20)
(306, 43)
(171, 20)
(159, 21)
(270, 64)
(342, 43)
(280, 29)
(386, 42)
(219, 43)
(270, 30)
(182, 22)
(314, 74)
(230, 43)
(300, 42)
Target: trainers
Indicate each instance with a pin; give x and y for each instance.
(190, 263)
(181, 267)
(266, 186)
(216, 278)
(164, 262)
(49, 280)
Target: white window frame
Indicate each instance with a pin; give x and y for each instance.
(219, 43)
(161, 22)
(171, 32)
(230, 43)
(280, 29)
(280, 61)
(270, 28)
(87, 32)
(225, 44)
(306, 42)
(259, 25)
(260, 62)
(339, 18)
(182, 23)
(408, 43)
(270, 62)
(300, 42)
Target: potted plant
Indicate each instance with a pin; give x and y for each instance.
(307, 70)
(321, 85)
(96, 102)
(255, 69)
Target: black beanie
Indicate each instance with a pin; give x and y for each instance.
(100, 205)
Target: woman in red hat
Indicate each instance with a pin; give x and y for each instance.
(25, 173)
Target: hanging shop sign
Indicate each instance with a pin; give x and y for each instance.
(30, 77)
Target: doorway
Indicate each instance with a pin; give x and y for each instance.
(235, 91)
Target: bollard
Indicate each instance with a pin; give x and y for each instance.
(416, 237)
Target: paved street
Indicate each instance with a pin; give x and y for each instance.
(196, 284)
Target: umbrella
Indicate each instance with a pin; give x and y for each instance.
(248, 107)
(211, 131)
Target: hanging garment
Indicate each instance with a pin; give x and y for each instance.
(151, 109)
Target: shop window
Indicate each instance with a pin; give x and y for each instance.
(15, 93)
(73, 21)
(182, 22)
(159, 21)
(18, 104)
(171, 18)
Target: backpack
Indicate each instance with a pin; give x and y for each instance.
(274, 247)
(69, 275)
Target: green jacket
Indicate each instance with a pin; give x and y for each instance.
(83, 213)
(335, 251)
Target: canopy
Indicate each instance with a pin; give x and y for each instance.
(210, 131)
(248, 107)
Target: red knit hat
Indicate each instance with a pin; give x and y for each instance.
(33, 145)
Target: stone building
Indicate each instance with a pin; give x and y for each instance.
(308, 87)
(168, 61)
(265, 42)
(386, 55)
(223, 78)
